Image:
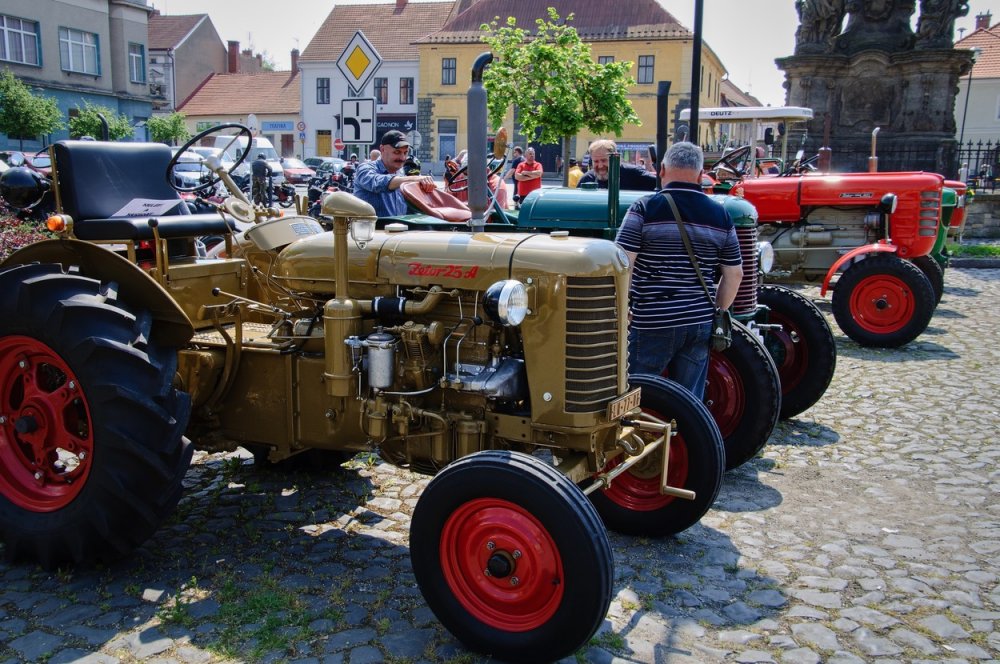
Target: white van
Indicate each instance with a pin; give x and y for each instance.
(234, 146)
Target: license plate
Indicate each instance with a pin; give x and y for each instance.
(620, 406)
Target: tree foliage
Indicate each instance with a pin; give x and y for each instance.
(168, 129)
(553, 80)
(87, 123)
(23, 114)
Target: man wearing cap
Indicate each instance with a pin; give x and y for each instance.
(377, 182)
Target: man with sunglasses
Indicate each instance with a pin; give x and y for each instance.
(377, 182)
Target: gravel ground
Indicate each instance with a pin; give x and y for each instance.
(868, 531)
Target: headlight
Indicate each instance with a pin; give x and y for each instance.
(888, 203)
(506, 302)
(363, 229)
(765, 256)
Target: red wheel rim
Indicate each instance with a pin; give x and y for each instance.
(794, 355)
(882, 304)
(524, 588)
(638, 489)
(725, 393)
(46, 438)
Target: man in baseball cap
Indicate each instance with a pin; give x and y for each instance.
(377, 182)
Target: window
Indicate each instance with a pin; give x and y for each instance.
(447, 129)
(646, 69)
(78, 51)
(322, 90)
(381, 91)
(448, 68)
(137, 63)
(605, 59)
(406, 91)
(18, 40)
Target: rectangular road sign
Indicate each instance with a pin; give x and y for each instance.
(359, 120)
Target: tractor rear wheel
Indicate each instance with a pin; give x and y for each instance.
(633, 504)
(92, 451)
(743, 395)
(883, 301)
(511, 557)
(934, 273)
(804, 349)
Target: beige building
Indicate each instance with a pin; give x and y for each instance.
(639, 31)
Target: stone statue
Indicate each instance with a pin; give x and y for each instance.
(819, 23)
(935, 28)
(882, 25)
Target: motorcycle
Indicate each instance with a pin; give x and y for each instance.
(284, 195)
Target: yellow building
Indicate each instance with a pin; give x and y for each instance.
(639, 31)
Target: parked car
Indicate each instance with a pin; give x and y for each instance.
(296, 171)
(315, 162)
(190, 169)
(227, 162)
(39, 162)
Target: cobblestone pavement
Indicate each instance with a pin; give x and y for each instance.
(868, 531)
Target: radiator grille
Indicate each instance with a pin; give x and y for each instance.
(591, 343)
(746, 296)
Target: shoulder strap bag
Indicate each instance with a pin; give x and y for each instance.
(722, 320)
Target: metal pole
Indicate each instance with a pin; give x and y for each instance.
(477, 115)
(662, 109)
(968, 93)
(696, 73)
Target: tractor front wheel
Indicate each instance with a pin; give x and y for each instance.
(743, 395)
(633, 504)
(92, 451)
(511, 557)
(883, 301)
(804, 349)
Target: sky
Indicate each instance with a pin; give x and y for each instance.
(747, 35)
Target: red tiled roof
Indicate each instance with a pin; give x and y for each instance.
(266, 92)
(168, 31)
(594, 20)
(392, 33)
(988, 42)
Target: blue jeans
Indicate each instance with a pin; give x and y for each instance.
(683, 351)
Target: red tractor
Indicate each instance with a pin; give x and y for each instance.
(866, 236)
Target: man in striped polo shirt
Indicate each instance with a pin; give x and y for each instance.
(670, 317)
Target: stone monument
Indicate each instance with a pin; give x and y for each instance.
(874, 71)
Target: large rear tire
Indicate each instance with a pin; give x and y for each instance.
(511, 557)
(934, 273)
(633, 504)
(804, 349)
(92, 451)
(883, 301)
(743, 395)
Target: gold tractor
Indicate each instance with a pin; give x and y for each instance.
(494, 361)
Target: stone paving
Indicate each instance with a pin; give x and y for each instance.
(869, 531)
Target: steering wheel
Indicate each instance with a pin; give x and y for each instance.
(207, 182)
(733, 162)
(799, 167)
(459, 180)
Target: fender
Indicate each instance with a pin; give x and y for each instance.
(171, 326)
(879, 247)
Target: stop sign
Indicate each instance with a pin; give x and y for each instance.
(339, 144)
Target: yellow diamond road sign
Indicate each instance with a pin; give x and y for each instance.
(359, 61)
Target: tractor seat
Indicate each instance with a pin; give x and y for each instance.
(96, 179)
(436, 203)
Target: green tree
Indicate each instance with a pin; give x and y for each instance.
(87, 123)
(553, 80)
(168, 129)
(23, 114)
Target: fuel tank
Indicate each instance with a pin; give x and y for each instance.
(586, 210)
(470, 261)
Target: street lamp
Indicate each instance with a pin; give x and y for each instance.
(968, 92)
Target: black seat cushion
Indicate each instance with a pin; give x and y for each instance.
(98, 178)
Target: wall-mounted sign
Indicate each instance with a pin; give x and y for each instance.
(274, 125)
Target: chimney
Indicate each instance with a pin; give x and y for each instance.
(400, 6)
(234, 57)
(295, 60)
(982, 20)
